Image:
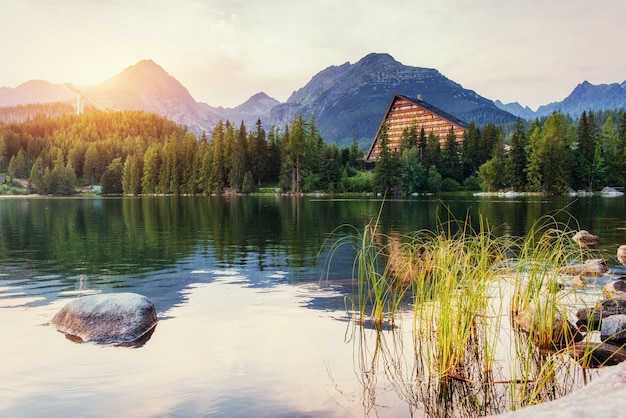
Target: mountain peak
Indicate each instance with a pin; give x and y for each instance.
(34, 91)
(377, 58)
(147, 86)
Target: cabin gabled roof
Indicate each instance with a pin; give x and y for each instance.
(418, 102)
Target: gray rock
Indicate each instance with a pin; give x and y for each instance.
(591, 318)
(613, 328)
(116, 318)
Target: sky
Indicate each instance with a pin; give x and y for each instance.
(224, 51)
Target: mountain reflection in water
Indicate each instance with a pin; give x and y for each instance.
(251, 319)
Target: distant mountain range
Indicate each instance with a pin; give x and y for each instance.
(584, 97)
(347, 100)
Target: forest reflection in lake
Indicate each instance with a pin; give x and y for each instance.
(244, 325)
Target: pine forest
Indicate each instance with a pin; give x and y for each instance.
(133, 152)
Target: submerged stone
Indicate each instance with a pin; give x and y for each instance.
(593, 354)
(116, 318)
(585, 238)
(590, 268)
(547, 327)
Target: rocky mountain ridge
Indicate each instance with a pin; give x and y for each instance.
(584, 97)
(351, 99)
(347, 100)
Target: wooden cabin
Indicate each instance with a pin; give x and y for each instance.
(403, 112)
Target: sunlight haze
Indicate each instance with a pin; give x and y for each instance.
(530, 51)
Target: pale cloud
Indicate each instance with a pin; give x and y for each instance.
(529, 51)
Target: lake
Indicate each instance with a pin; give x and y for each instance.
(252, 316)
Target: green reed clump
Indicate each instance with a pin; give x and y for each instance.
(451, 294)
(466, 285)
(538, 286)
(376, 290)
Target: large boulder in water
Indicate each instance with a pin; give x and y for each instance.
(116, 318)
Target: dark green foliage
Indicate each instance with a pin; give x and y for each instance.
(248, 186)
(517, 159)
(470, 150)
(138, 153)
(112, 178)
(412, 173)
(432, 153)
(451, 166)
(386, 166)
(583, 175)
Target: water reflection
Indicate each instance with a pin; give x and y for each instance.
(393, 360)
(245, 326)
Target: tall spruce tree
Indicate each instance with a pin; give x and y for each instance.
(451, 158)
(470, 150)
(582, 176)
(517, 159)
(385, 174)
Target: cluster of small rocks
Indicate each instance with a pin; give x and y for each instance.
(609, 317)
(605, 396)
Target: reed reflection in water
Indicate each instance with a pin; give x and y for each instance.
(245, 327)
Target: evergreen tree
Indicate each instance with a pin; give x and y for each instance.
(599, 167)
(451, 159)
(622, 146)
(169, 174)
(355, 156)
(35, 180)
(412, 174)
(432, 156)
(57, 175)
(582, 176)
(247, 186)
(257, 154)
(92, 168)
(331, 170)
(273, 168)
(408, 138)
(517, 159)
(3, 152)
(552, 150)
(111, 180)
(534, 176)
(422, 143)
(228, 152)
(470, 150)
(489, 138)
(132, 174)
(189, 162)
(151, 168)
(385, 174)
(205, 169)
(17, 165)
(239, 166)
(217, 173)
(612, 151)
(295, 148)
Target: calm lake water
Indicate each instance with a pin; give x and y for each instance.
(251, 322)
